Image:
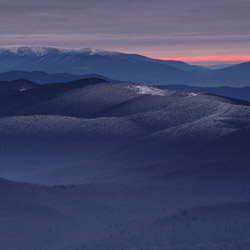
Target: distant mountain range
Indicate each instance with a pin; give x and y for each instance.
(218, 66)
(43, 77)
(115, 65)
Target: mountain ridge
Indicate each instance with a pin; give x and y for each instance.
(44, 78)
(121, 66)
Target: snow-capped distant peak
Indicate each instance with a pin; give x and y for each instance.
(30, 50)
(41, 51)
(92, 51)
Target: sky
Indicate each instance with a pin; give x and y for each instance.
(196, 31)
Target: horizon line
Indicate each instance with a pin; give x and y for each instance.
(227, 58)
(224, 59)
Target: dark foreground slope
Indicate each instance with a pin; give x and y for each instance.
(111, 217)
(129, 167)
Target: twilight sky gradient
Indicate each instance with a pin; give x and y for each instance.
(190, 30)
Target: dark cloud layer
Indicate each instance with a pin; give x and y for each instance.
(159, 27)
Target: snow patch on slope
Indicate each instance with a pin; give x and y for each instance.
(147, 90)
(23, 89)
(192, 94)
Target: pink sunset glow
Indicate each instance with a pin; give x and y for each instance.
(208, 59)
